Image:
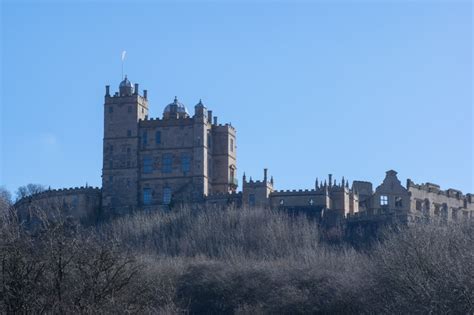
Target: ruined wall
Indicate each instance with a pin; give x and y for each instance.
(428, 201)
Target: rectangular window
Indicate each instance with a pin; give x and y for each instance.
(147, 165)
(167, 163)
(185, 163)
(398, 202)
(158, 137)
(418, 205)
(144, 138)
(111, 109)
(384, 200)
(231, 145)
(251, 200)
(166, 195)
(209, 140)
(111, 164)
(129, 133)
(147, 196)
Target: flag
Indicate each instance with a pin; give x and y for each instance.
(123, 55)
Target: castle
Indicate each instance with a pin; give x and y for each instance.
(160, 163)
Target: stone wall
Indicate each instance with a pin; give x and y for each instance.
(79, 203)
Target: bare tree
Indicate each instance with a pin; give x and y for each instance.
(28, 190)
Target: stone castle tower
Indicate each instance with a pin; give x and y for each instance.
(120, 168)
(152, 162)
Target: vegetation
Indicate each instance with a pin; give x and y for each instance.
(210, 261)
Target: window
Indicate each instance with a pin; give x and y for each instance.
(111, 109)
(209, 140)
(454, 214)
(129, 109)
(167, 163)
(398, 202)
(111, 179)
(158, 137)
(166, 195)
(75, 202)
(185, 163)
(111, 148)
(128, 164)
(111, 164)
(426, 208)
(144, 138)
(418, 205)
(251, 200)
(147, 165)
(384, 200)
(282, 202)
(128, 151)
(444, 211)
(231, 145)
(129, 133)
(147, 196)
(311, 202)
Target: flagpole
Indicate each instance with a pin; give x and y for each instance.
(124, 52)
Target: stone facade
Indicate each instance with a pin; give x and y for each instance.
(156, 163)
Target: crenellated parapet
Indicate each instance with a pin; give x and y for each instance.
(83, 203)
(51, 193)
(294, 192)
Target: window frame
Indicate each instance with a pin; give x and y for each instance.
(147, 167)
(167, 194)
(185, 162)
(147, 196)
(158, 137)
(167, 163)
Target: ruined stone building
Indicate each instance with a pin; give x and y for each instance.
(182, 158)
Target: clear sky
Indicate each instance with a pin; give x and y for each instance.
(352, 88)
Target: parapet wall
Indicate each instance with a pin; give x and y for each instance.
(82, 203)
(433, 188)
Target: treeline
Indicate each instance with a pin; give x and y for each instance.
(233, 261)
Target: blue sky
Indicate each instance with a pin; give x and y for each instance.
(352, 88)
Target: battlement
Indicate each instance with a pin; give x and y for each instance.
(295, 192)
(49, 193)
(221, 195)
(160, 122)
(223, 127)
(116, 98)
